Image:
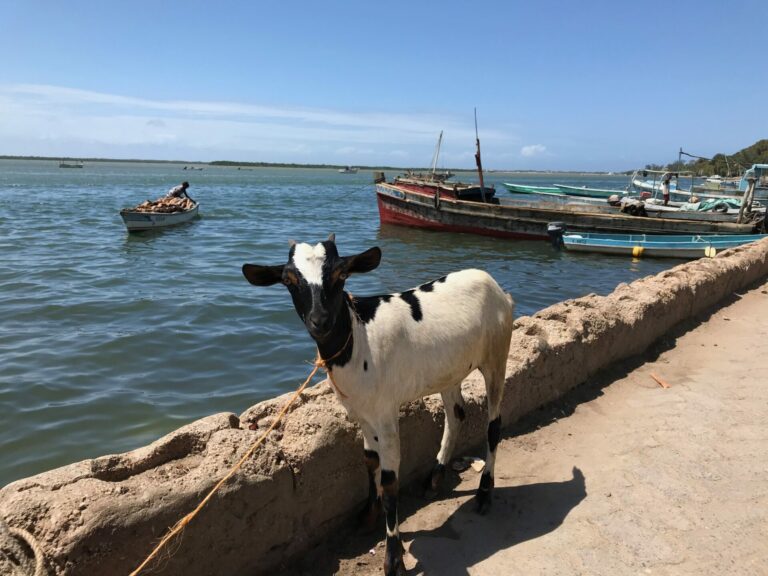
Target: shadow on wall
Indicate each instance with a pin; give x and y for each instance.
(519, 513)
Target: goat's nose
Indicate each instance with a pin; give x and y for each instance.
(318, 323)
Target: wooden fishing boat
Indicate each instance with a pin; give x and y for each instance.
(446, 189)
(433, 206)
(136, 221)
(650, 245)
(427, 207)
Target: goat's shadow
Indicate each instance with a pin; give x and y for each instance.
(519, 513)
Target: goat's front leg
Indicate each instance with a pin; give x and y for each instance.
(389, 446)
(453, 406)
(373, 506)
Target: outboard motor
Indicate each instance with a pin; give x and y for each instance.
(555, 231)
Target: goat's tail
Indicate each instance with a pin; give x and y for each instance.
(511, 303)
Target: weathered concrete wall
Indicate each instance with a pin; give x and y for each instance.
(102, 516)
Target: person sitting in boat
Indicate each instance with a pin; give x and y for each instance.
(665, 180)
(179, 191)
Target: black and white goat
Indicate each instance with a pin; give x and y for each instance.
(383, 351)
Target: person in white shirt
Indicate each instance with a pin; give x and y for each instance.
(179, 191)
(665, 181)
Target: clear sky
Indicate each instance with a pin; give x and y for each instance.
(584, 85)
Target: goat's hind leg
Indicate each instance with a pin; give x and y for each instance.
(370, 514)
(494, 384)
(453, 405)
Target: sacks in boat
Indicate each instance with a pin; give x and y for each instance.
(165, 205)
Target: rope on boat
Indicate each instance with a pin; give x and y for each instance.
(181, 524)
(14, 554)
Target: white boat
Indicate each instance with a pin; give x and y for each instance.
(75, 164)
(348, 170)
(136, 221)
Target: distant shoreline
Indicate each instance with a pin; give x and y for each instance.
(233, 164)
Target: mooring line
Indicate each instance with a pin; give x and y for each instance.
(179, 526)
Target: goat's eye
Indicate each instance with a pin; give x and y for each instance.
(287, 281)
(343, 276)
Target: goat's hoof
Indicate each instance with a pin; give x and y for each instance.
(394, 566)
(393, 561)
(482, 503)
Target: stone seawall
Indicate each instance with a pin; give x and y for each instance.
(102, 516)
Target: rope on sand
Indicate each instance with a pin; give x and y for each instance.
(181, 524)
(13, 553)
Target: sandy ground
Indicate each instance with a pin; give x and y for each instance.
(621, 477)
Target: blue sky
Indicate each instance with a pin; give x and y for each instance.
(585, 85)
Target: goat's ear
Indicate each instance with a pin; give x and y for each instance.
(363, 262)
(263, 275)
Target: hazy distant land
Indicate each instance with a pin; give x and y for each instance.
(230, 163)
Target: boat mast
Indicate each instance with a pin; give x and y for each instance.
(478, 161)
(437, 152)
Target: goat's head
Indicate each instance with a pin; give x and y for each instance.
(315, 277)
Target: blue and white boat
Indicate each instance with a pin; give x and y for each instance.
(656, 245)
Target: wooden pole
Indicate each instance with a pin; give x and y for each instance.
(478, 161)
(746, 200)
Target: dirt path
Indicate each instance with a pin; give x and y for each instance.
(637, 479)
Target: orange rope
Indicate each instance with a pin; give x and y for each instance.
(179, 526)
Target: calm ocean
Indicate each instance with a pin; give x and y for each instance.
(109, 340)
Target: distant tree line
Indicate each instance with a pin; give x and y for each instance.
(720, 164)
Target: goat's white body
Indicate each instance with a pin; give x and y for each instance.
(403, 347)
(466, 324)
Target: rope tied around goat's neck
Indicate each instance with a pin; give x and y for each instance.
(323, 363)
(181, 524)
(12, 552)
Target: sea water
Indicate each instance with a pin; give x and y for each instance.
(109, 340)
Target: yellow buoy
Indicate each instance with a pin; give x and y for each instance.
(710, 251)
(637, 251)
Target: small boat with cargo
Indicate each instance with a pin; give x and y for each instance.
(161, 213)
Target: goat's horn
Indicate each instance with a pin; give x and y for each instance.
(291, 243)
(332, 237)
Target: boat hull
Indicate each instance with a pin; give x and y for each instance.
(525, 189)
(657, 246)
(404, 207)
(589, 192)
(138, 221)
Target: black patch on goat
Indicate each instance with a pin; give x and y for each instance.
(459, 412)
(410, 298)
(366, 308)
(430, 286)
